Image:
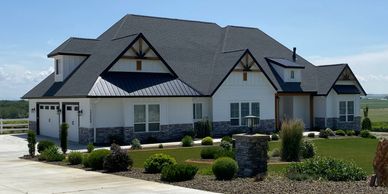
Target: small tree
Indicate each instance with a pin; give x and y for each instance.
(64, 127)
(366, 122)
(31, 139)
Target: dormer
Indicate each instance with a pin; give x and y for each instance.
(64, 65)
(289, 71)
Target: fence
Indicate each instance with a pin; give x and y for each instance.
(13, 125)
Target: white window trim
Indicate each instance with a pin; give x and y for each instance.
(239, 110)
(346, 111)
(147, 122)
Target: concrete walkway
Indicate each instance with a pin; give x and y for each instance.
(23, 176)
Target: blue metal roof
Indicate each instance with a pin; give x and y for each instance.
(346, 89)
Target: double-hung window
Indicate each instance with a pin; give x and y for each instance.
(238, 112)
(146, 118)
(197, 111)
(346, 111)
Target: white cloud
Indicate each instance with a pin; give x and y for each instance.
(370, 67)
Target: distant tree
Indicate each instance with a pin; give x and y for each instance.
(13, 109)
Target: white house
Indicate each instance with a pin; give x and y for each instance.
(154, 77)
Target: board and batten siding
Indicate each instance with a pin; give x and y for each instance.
(332, 103)
(301, 109)
(148, 66)
(257, 88)
(67, 64)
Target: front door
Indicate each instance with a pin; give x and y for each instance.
(72, 121)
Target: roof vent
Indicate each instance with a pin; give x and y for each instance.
(294, 54)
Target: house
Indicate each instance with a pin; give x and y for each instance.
(154, 77)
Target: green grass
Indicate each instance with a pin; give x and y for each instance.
(374, 103)
(378, 113)
(361, 151)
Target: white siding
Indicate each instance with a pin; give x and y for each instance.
(67, 64)
(320, 106)
(332, 103)
(149, 66)
(256, 89)
(297, 75)
(302, 109)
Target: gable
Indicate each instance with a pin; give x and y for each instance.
(347, 83)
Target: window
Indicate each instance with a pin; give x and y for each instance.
(197, 111)
(238, 111)
(292, 74)
(346, 111)
(146, 118)
(245, 76)
(56, 66)
(138, 65)
(234, 114)
(52, 107)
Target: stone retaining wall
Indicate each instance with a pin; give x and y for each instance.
(334, 123)
(223, 128)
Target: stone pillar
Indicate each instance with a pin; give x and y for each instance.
(251, 154)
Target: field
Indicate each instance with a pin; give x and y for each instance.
(361, 151)
(378, 112)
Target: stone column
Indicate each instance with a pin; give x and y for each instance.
(251, 154)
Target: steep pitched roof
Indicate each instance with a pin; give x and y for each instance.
(200, 54)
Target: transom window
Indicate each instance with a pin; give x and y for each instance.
(240, 110)
(197, 111)
(346, 111)
(146, 118)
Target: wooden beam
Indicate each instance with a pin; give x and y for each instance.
(146, 51)
(294, 94)
(242, 64)
(140, 47)
(134, 50)
(277, 112)
(243, 70)
(140, 58)
(246, 60)
(311, 111)
(251, 64)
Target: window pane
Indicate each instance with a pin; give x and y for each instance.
(139, 113)
(234, 110)
(234, 122)
(244, 112)
(198, 111)
(255, 109)
(350, 118)
(342, 107)
(342, 118)
(193, 111)
(350, 107)
(139, 127)
(153, 113)
(153, 126)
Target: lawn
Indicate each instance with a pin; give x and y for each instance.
(378, 112)
(361, 151)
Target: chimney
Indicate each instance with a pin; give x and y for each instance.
(294, 54)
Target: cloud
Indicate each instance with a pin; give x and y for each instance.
(370, 67)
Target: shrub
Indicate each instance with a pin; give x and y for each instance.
(135, 144)
(340, 132)
(311, 135)
(325, 168)
(31, 139)
(275, 152)
(350, 132)
(116, 139)
(275, 137)
(160, 146)
(63, 137)
(90, 147)
(117, 160)
(85, 160)
(96, 158)
(44, 144)
(323, 134)
(178, 172)
(291, 134)
(75, 158)
(187, 141)
(225, 153)
(364, 133)
(227, 139)
(207, 141)
(224, 168)
(366, 124)
(209, 152)
(51, 154)
(151, 139)
(202, 128)
(156, 162)
(307, 149)
(190, 132)
(330, 132)
(226, 145)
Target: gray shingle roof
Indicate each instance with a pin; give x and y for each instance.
(200, 54)
(286, 63)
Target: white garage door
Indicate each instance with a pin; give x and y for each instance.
(49, 120)
(72, 121)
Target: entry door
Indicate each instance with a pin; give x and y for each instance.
(72, 121)
(48, 120)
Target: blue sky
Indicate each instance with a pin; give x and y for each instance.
(325, 32)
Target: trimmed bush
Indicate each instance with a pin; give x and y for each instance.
(31, 139)
(178, 172)
(350, 132)
(226, 145)
(225, 153)
(364, 133)
(202, 128)
(340, 132)
(156, 162)
(330, 132)
(75, 158)
(160, 146)
(63, 137)
(311, 135)
(291, 134)
(366, 124)
(96, 158)
(210, 152)
(307, 149)
(51, 154)
(275, 137)
(227, 138)
(135, 144)
(325, 168)
(225, 168)
(85, 160)
(275, 152)
(90, 147)
(207, 141)
(44, 144)
(187, 141)
(323, 134)
(117, 160)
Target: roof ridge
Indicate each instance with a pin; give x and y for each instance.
(176, 19)
(338, 64)
(84, 38)
(121, 25)
(247, 27)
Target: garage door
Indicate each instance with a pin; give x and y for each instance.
(72, 121)
(48, 120)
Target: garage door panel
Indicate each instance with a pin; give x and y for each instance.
(72, 121)
(48, 120)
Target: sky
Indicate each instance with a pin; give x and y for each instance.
(324, 32)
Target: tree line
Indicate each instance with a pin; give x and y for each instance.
(13, 109)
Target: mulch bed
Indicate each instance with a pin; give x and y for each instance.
(271, 184)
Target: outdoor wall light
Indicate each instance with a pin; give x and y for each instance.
(80, 112)
(251, 122)
(32, 110)
(59, 111)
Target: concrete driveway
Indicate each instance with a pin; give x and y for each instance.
(23, 176)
